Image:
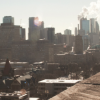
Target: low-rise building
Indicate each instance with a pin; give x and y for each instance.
(16, 95)
(54, 86)
(88, 89)
(66, 58)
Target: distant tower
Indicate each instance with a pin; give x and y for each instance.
(93, 26)
(67, 32)
(84, 25)
(76, 31)
(78, 44)
(51, 34)
(8, 20)
(35, 26)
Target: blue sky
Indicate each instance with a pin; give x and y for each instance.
(61, 14)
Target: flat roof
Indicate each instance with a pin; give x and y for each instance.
(58, 81)
(88, 89)
(38, 63)
(14, 94)
(14, 62)
(33, 98)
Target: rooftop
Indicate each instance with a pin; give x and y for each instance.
(59, 81)
(33, 98)
(17, 94)
(14, 62)
(38, 63)
(88, 89)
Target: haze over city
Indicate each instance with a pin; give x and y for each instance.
(50, 50)
(61, 14)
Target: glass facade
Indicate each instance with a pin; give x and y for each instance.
(85, 26)
(8, 19)
(67, 32)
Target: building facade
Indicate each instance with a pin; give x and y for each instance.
(78, 45)
(67, 32)
(84, 25)
(35, 26)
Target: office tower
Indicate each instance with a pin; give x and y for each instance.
(8, 20)
(78, 44)
(85, 39)
(23, 33)
(76, 31)
(43, 33)
(35, 26)
(70, 40)
(41, 25)
(96, 27)
(9, 32)
(67, 32)
(93, 39)
(81, 32)
(92, 26)
(59, 38)
(51, 34)
(84, 25)
(64, 37)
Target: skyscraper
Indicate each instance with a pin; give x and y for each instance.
(67, 32)
(76, 31)
(10, 32)
(78, 44)
(93, 26)
(35, 26)
(84, 25)
(96, 27)
(51, 34)
(8, 20)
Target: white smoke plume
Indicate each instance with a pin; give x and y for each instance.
(93, 9)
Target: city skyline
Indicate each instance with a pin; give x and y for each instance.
(58, 14)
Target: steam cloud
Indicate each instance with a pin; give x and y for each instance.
(94, 8)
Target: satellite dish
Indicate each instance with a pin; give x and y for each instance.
(22, 91)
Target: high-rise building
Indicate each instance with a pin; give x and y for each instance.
(51, 34)
(70, 40)
(35, 26)
(67, 32)
(8, 20)
(96, 27)
(92, 25)
(10, 32)
(43, 34)
(78, 44)
(81, 32)
(84, 25)
(85, 42)
(59, 39)
(48, 34)
(76, 31)
(93, 39)
(23, 33)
